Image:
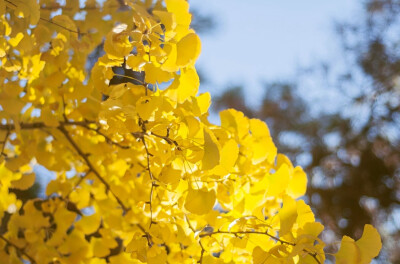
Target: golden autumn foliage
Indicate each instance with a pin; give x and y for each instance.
(140, 174)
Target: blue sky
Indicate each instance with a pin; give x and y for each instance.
(265, 40)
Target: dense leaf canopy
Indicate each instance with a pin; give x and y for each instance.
(140, 174)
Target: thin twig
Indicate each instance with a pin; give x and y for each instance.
(166, 138)
(51, 22)
(61, 26)
(4, 142)
(248, 232)
(31, 259)
(90, 165)
(108, 139)
(153, 183)
(236, 233)
(35, 125)
(132, 78)
(11, 3)
(78, 183)
(50, 8)
(202, 253)
(147, 235)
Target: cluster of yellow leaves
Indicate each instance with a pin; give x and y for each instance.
(141, 175)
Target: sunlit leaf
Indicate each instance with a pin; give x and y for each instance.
(200, 201)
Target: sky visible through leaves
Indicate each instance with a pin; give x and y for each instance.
(261, 40)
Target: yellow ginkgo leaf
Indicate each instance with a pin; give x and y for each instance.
(180, 8)
(229, 154)
(287, 215)
(170, 62)
(283, 159)
(2, 7)
(169, 21)
(155, 74)
(137, 244)
(235, 121)
(200, 201)
(304, 213)
(170, 175)
(188, 84)
(201, 104)
(298, 183)
(117, 44)
(349, 253)
(118, 90)
(228, 157)
(278, 181)
(189, 48)
(29, 8)
(211, 151)
(26, 181)
(65, 23)
(259, 128)
(262, 257)
(15, 40)
(49, 118)
(123, 257)
(146, 106)
(362, 251)
(135, 62)
(369, 244)
(309, 233)
(156, 255)
(99, 248)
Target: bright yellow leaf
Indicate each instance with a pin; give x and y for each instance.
(349, 253)
(181, 10)
(278, 181)
(188, 84)
(200, 201)
(89, 224)
(188, 48)
(298, 183)
(201, 104)
(287, 215)
(211, 151)
(369, 244)
(146, 106)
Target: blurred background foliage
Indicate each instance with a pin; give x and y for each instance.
(351, 154)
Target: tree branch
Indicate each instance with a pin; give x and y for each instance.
(312, 254)
(108, 139)
(153, 183)
(90, 165)
(31, 259)
(42, 125)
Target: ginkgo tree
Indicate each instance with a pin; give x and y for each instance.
(140, 174)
